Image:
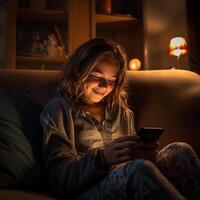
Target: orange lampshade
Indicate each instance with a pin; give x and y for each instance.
(177, 46)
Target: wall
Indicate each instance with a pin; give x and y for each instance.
(194, 33)
(2, 33)
(162, 21)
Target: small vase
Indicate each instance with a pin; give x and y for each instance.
(106, 7)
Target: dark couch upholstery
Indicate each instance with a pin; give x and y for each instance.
(162, 98)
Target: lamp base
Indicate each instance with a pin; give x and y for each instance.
(178, 62)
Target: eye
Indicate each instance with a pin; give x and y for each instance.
(94, 77)
(111, 82)
(97, 78)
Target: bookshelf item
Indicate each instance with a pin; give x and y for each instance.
(41, 34)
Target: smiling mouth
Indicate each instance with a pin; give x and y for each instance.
(99, 93)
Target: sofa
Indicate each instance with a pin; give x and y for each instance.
(159, 98)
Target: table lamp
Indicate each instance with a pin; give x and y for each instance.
(178, 47)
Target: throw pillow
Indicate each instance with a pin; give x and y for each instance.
(20, 141)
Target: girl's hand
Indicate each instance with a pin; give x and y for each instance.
(128, 148)
(122, 149)
(148, 151)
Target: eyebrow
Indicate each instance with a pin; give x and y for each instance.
(96, 70)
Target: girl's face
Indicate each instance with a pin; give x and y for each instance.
(100, 82)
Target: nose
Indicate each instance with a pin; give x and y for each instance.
(103, 83)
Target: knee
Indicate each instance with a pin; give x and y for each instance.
(175, 151)
(179, 146)
(142, 166)
(176, 148)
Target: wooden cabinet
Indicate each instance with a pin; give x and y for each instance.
(41, 34)
(122, 22)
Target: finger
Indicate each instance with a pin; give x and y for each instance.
(124, 144)
(126, 138)
(128, 152)
(124, 159)
(123, 152)
(137, 144)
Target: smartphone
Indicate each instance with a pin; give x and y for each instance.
(150, 134)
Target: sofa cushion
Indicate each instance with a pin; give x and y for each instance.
(13, 194)
(20, 141)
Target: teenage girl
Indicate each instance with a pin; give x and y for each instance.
(90, 144)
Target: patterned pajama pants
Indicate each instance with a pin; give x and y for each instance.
(176, 176)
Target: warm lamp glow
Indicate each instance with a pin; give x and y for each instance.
(135, 64)
(177, 46)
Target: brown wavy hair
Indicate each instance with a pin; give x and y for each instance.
(80, 64)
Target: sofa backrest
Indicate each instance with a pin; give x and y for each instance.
(168, 99)
(163, 98)
(40, 84)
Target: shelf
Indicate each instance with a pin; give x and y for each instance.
(40, 59)
(115, 22)
(42, 15)
(100, 18)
